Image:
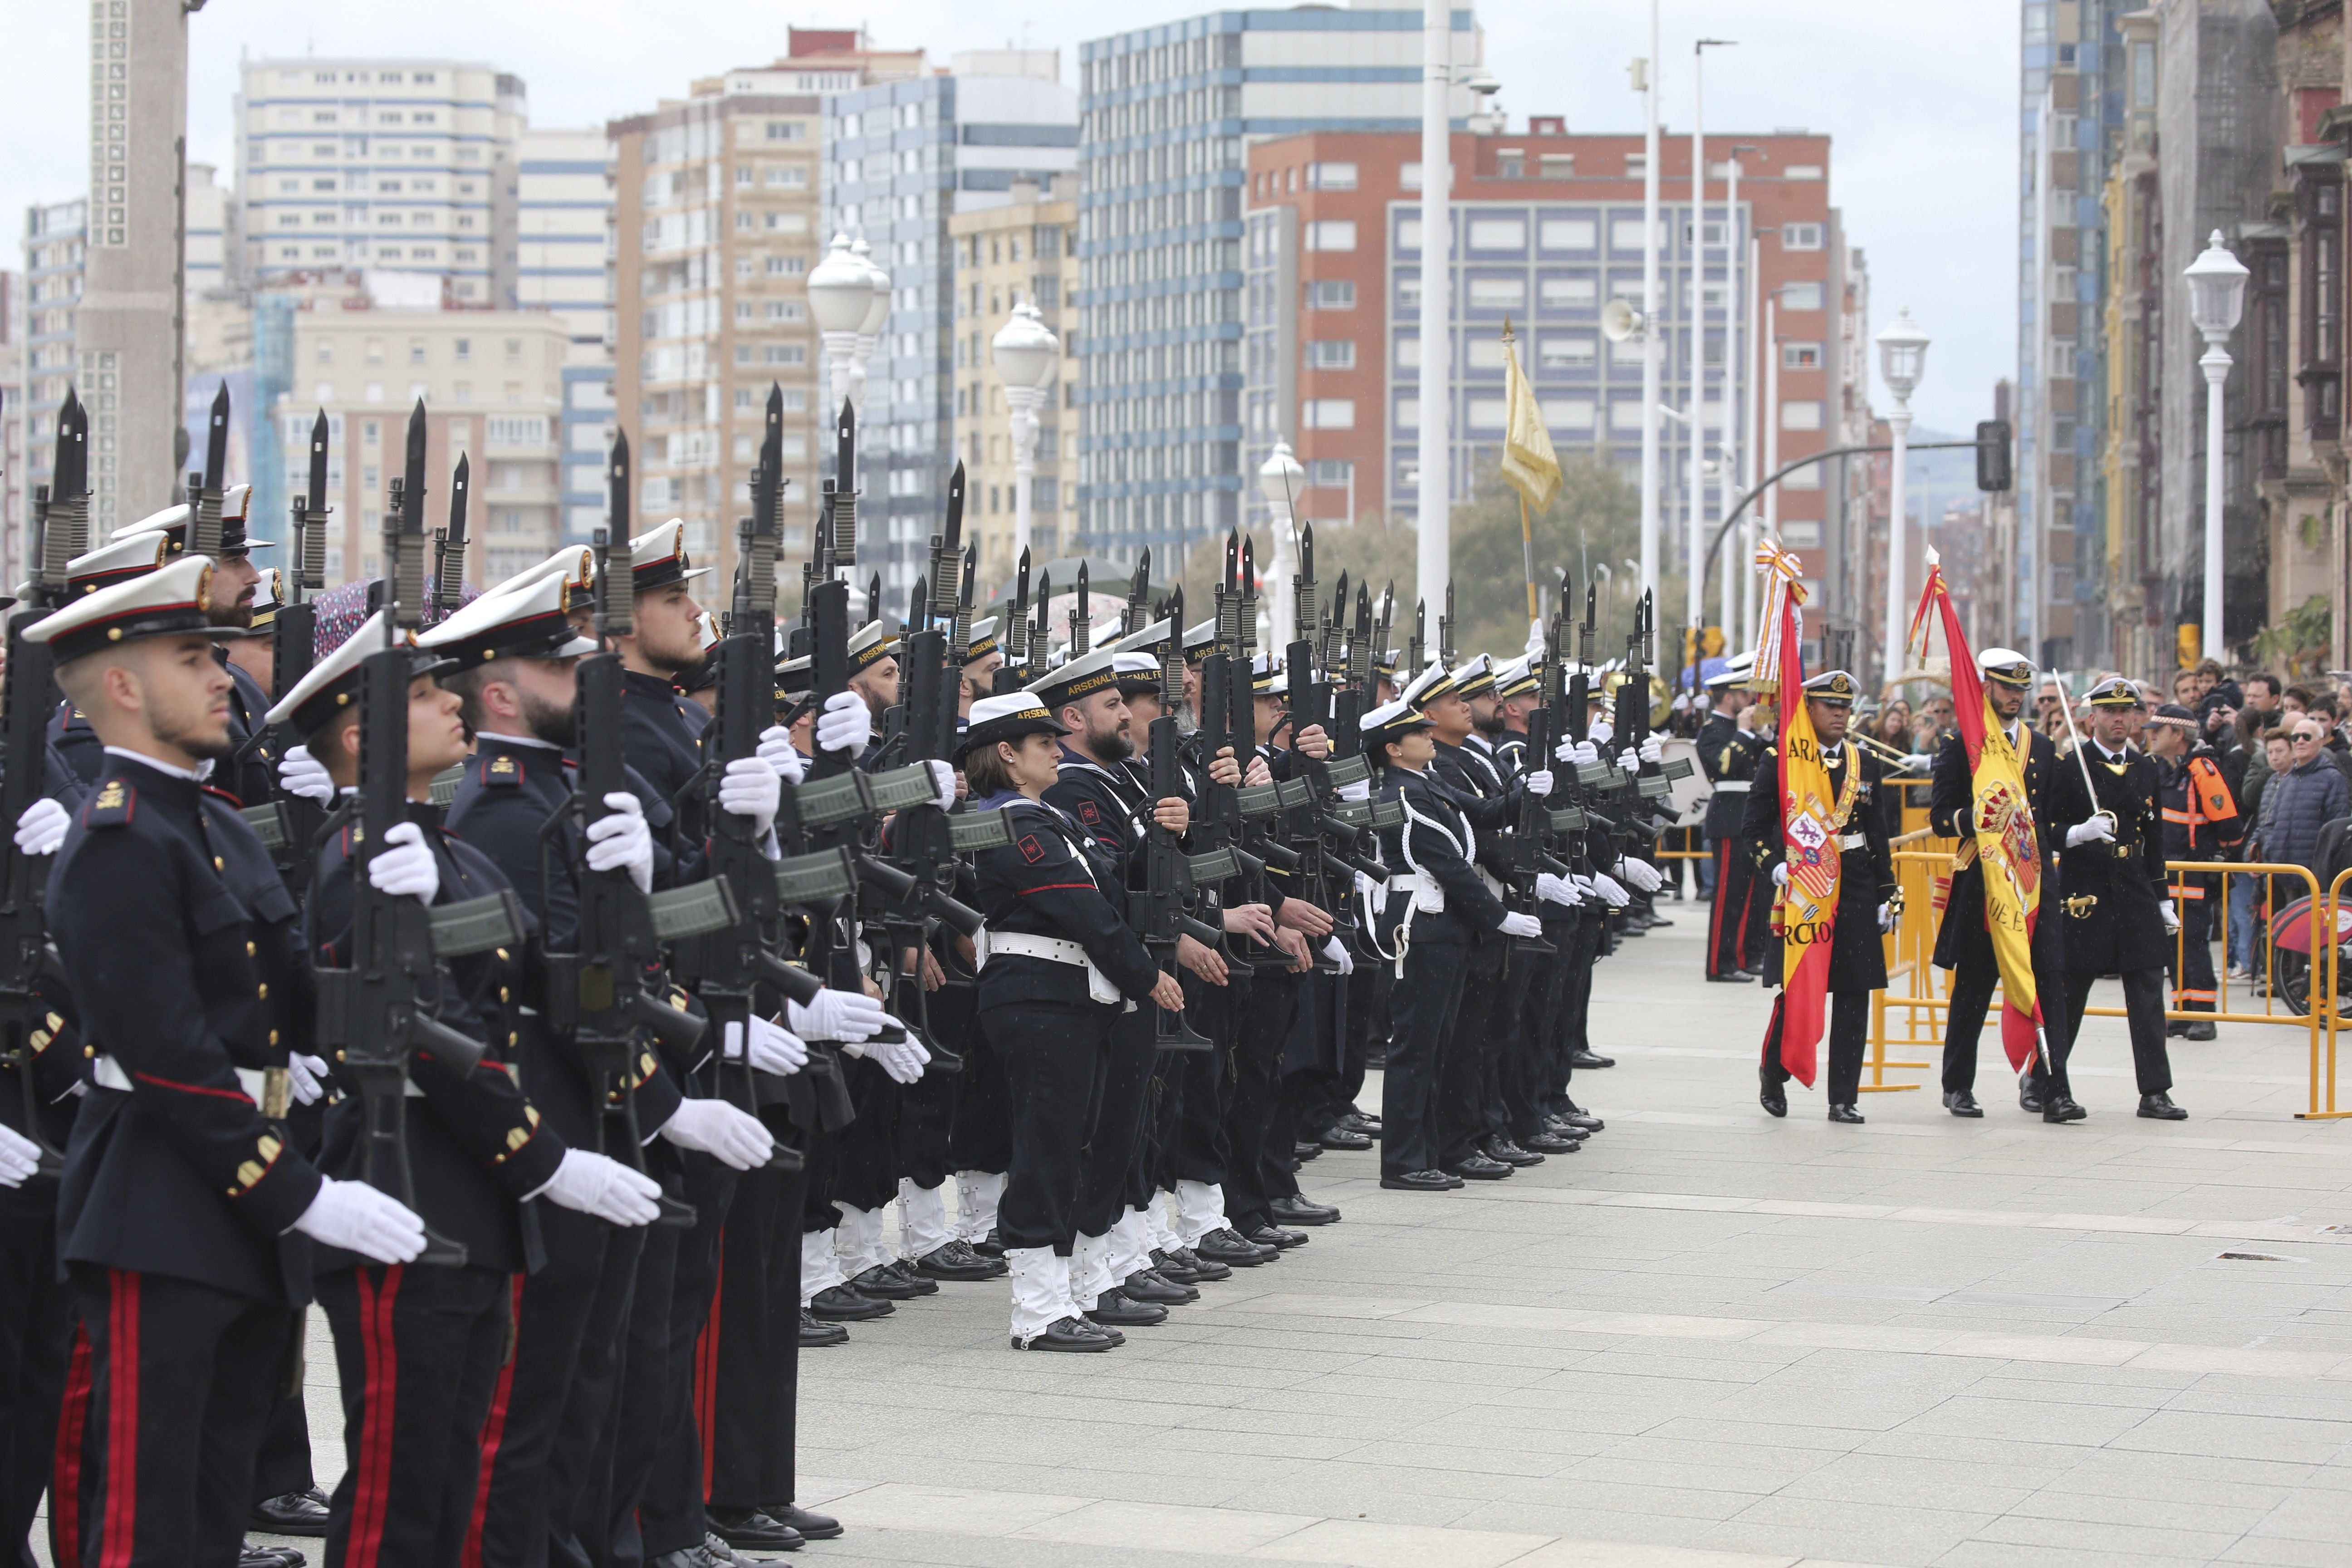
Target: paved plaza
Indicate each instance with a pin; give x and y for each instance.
(1709, 1340)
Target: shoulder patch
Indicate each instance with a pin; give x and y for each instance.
(1088, 813)
(1031, 849)
(503, 770)
(111, 806)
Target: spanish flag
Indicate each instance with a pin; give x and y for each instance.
(2005, 844)
(1810, 825)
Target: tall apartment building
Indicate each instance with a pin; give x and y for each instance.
(563, 248)
(55, 242)
(1167, 114)
(406, 165)
(1024, 250)
(902, 161)
(716, 225)
(492, 383)
(1548, 230)
(13, 498)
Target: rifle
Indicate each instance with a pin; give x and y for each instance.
(1445, 629)
(28, 695)
(1412, 652)
(374, 1014)
(449, 548)
(1219, 828)
(1157, 912)
(1329, 828)
(1527, 845)
(289, 826)
(205, 492)
(1014, 671)
(1138, 614)
(597, 993)
(1255, 806)
(1082, 629)
(725, 967)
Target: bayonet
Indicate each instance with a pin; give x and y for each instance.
(1015, 632)
(449, 547)
(1081, 618)
(1414, 649)
(1445, 649)
(1138, 614)
(205, 502)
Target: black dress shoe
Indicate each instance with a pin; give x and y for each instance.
(812, 1526)
(1147, 1285)
(1475, 1167)
(1362, 1122)
(882, 1285)
(296, 1513)
(904, 1271)
(1847, 1114)
(684, 1557)
(2159, 1108)
(1772, 1097)
(1419, 1182)
(718, 1554)
(248, 1555)
(1301, 1151)
(1960, 1102)
(1560, 1127)
(1755, 971)
(1658, 920)
(1225, 1245)
(1186, 1267)
(841, 1304)
(816, 1334)
(2027, 1101)
(1345, 1140)
(989, 1245)
(1068, 1334)
(1732, 977)
(1588, 1060)
(1577, 1116)
(1281, 1240)
(2062, 1108)
(1297, 1210)
(1164, 1264)
(956, 1261)
(2199, 1030)
(1510, 1153)
(751, 1530)
(1550, 1144)
(1114, 1307)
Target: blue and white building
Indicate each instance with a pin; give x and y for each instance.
(563, 246)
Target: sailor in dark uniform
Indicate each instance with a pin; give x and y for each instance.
(1963, 943)
(127, 556)
(1732, 748)
(185, 1216)
(1061, 966)
(420, 1349)
(2119, 915)
(1865, 887)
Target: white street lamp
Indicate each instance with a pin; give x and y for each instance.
(1902, 356)
(870, 326)
(1028, 355)
(2217, 293)
(1278, 480)
(839, 296)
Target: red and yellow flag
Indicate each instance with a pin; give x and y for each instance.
(2005, 844)
(1812, 815)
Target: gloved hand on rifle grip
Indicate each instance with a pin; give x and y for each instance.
(734, 1138)
(355, 1217)
(405, 867)
(306, 1077)
(776, 749)
(903, 1060)
(622, 839)
(1539, 782)
(1516, 924)
(1362, 790)
(601, 1186)
(1337, 952)
(849, 1015)
(1614, 896)
(42, 828)
(775, 1049)
(19, 1157)
(1561, 890)
(1576, 752)
(1654, 750)
(1601, 731)
(1640, 873)
(845, 724)
(942, 782)
(751, 788)
(300, 772)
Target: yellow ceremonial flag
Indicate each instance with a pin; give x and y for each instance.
(1529, 463)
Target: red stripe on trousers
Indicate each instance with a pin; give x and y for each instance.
(65, 1471)
(706, 1379)
(121, 1418)
(374, 1467)
(1739, 937)
(1715, 905)
(494, 1431)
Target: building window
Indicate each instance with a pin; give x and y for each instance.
(1800, 296)
(1498, 234)
(1497, 293)
(1801, 414)
(1330, 294)
(1334, 472)
(1556, 165)
(1510, 164)
(1569, 293)
(1332, 234)
(1801, 236)
(1800, 356)
(1331, 353)
(1571, 234)
(1331, 176)
(1567, 351)
(1328, 414)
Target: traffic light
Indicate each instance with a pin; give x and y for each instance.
(1993, 454)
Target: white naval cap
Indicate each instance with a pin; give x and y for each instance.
(173, 601)
(526, 622)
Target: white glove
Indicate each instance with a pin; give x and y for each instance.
(1886, 918)
(1362, 790)
(1516, 924)
(1781, 875)
(2170, 916)
(837, 1015)
(622, 839)
(773, 1048)
(600, 1185)
(355, 1217)
(1628, 760)
(845, 724)
(1583, 885)
(19, 1157)
(751, 788)
(1337, 952)
(1539, 782)
(776, 749)
(300, 772)
(734, 1138)
(902, 1059)
(1615, 897)
(942, 781)
(42, 828)
(1654, 750)
(1682, 702)
(1640, 873)
(1600, 730)
(307, 1076)
(1576, 752)
(2098, 828)
(405, 867)
(1561, 890)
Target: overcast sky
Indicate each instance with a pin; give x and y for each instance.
(1921, 102)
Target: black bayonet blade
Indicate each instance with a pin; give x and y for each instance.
(316, 500)
(216, 442)
(1081, 618)
(616, 486)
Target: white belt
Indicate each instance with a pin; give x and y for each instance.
(1053, 949)
(1408, 882)
(1852, 840)
(1732, 787)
